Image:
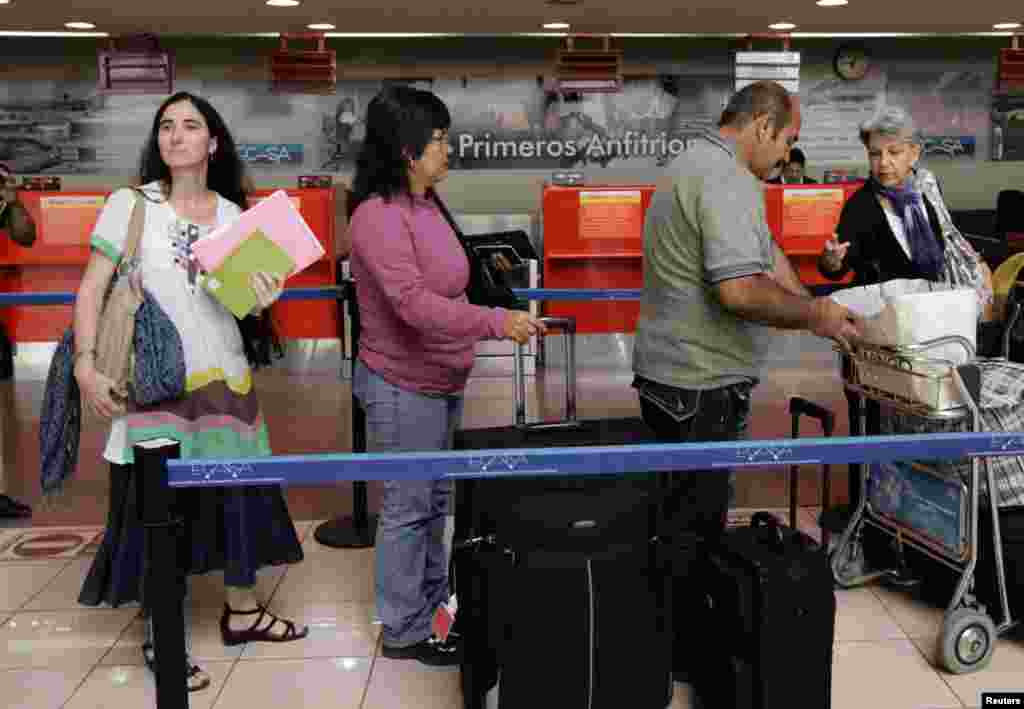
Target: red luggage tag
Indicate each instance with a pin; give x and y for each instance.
(444, 618)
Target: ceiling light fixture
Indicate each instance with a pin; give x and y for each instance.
(1006, 26)
(5, 2)
(80, 25)
(282, 3)
(321, 26)
(832, 3)
(555, 25)
(66, 35)
(782, 26)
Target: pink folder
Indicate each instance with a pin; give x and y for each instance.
(278, 218)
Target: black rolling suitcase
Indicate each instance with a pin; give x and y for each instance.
(770, 607)
(770, 620)
(562, 586)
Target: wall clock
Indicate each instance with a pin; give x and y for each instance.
(851, 62)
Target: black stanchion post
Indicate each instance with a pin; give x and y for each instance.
(164, 581)
(359, 530)
(6, 356)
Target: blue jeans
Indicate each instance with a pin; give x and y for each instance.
(412, 562)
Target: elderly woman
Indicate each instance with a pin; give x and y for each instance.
(897, 225)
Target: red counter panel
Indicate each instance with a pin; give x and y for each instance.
(802, 218)
(593, 238)
(55, 263)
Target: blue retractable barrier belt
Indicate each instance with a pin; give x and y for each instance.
(591, 460)
(332, 292)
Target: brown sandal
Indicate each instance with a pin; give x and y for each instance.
(196, 678)
(238, 637)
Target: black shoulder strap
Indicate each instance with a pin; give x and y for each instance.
(485, 288)
(448, 217)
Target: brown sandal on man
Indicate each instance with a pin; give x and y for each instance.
(255, 633)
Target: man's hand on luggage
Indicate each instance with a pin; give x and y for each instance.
(832, 320)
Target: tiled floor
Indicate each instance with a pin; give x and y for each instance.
(308, 411)
(55, 654)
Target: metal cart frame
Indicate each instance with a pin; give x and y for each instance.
(968, 635)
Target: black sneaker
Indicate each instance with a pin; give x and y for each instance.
(432, 651)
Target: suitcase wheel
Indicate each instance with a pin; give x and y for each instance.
(967, 641)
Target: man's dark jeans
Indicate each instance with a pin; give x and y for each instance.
(697, 502)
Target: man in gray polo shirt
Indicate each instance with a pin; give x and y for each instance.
(711, 272)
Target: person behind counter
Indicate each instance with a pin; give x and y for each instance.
(897, 225)
(13, 215)
(21, 228)
(192, 181)
(711, 271)
(416, 349)
(794, 172)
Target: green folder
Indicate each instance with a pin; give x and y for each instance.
(230, 283)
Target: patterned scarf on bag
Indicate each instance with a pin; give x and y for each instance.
(962, 267)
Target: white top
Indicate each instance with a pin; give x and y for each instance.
(896, 224)
(209, 333)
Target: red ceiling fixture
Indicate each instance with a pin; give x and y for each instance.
(304, 71)
(590, 69)
(135, 64)
(1010, 76)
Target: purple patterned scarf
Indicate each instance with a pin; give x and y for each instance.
(925, 251)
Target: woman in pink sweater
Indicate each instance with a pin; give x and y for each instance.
(416, 349)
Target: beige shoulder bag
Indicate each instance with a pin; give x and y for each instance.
(115, 328)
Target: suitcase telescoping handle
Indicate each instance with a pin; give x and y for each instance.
(799, 406)
(769, 532)
(568, 328)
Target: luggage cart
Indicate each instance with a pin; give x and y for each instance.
(906, 500)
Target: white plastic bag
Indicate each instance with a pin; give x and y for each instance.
(910, 312)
